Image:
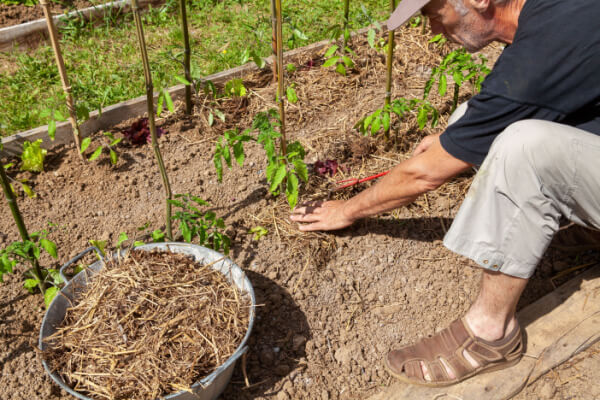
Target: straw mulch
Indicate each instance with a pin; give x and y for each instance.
(148, 325)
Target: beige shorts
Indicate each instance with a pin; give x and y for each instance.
(536, 172)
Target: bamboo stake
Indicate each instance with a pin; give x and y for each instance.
(280, 77)
(346, 17)
(389, 62)
(63, 75)
(186, 57)
(151, 122)
(14, 209)
(274, 38)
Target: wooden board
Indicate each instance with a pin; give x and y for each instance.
(557, 327)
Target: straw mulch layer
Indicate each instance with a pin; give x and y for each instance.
(148, 325)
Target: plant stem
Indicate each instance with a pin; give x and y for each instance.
(274, 37)
(14, 209)
(186, 57)
(389, 63)
(151, 122)
(346, 18)
(63, 75)
(455, 97)
(280, 77)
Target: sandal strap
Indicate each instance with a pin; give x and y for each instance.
(446, 348)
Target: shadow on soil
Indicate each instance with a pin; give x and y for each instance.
(277, 343)
(426, 229)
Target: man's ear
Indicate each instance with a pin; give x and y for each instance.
(480, 5)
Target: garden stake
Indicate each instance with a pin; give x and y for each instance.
(274, 38)
(355, 181)
(186, 57)
(151, 122)
(389, 62)
(346, 17)
(280, 77)
(14, 209)
(60, 63)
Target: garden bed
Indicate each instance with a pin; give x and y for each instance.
(330, 304)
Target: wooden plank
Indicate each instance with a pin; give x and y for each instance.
(30, 32)
(557, 327)
(117, 113)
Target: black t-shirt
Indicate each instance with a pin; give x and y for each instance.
(551, 71)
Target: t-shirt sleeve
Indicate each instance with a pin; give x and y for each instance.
(470, 138)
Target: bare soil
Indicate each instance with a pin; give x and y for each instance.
(331, 304)
(15, 14)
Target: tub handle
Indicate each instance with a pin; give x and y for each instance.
(77, 258)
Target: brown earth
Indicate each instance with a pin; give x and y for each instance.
(331, 304)
(15, 14)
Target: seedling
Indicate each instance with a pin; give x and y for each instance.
(258, 231)
(462, 67)
(23, 183)
(28, 252)
(32, 158)
(283, 170)
(342, 62)
(164, 97)
(108, 143)
(235, 87)
(380, 118)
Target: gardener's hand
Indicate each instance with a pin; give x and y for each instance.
(321, 216)
(426, 143)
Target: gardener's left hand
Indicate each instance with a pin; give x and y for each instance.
(321, 216)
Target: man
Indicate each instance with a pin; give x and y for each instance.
(534, 130)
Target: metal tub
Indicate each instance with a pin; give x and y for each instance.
(208, 388)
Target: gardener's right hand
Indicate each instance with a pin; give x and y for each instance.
(321, 216)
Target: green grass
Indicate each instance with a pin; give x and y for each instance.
(104, 66)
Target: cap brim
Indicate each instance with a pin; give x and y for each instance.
(404, 12)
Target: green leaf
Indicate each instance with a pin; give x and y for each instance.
(183, 80)
(300, 35)
(291, 190)
(95, 154)
(330, 62)
(218, 166)
(33, 156)
(56, 278)
(245, 57)
(290, 67)
(138, 243)
(330, 51)
(348, 61)
(371, 38)
(30, 285)
(442, 85)
(158, 236)
(114, 158)
(122, 237)
(159, 106)
(375, 125)
(301, 169)
(211, 119)
(100, 245)
(85, 143)
(278, 178)
(28, 191)
(291, 95)
(340, 69)
(116, 141)
(58, 116)
(238, 153)
(52, 129)
(49, 295)
(219, 114)
(258, 232)
(385, 119)
(422, 117)
(169, 100)
(49, 246)
(185, 231)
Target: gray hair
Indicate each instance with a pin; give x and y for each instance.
(462, 10)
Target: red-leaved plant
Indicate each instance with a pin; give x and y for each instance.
(139, 132)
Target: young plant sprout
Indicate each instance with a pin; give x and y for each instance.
(151, 122)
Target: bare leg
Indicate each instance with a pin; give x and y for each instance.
(492, 315)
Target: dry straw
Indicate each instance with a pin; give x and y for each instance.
(148, 325)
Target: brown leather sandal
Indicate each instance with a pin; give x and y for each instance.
(445, 349)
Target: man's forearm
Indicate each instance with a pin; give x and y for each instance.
(408, 180)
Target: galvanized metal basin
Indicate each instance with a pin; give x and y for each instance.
(208, 388)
